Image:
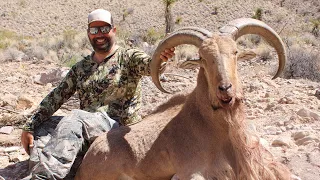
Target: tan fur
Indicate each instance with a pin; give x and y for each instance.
(193, 137)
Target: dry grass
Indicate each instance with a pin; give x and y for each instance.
(303, 63)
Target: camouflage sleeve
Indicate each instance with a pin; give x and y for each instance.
(53, 101)
(139, 62)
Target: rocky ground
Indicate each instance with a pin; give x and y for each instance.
(283, 112)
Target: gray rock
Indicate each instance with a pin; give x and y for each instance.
(271, 130)
(16, 157)
(294, 177)
(308, 114)
(300, 135)
(306, 140)
(6, 130)
(317, 94)
(264, 143)
(48, 77)
(282, 141)
(11, 149)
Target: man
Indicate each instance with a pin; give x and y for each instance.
(109, 89)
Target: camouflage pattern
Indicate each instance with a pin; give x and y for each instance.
(59, 141)
(112, 87)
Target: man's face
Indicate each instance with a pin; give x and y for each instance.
(101, 42)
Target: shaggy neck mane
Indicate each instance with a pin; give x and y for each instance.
(248, 162)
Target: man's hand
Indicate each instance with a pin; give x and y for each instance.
(167, 54)
(27, 141)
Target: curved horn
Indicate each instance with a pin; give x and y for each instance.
(187, 35)
(243, 26)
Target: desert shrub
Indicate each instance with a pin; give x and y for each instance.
(68, 37)
(249, 41)
(70, 59)
(4, 44)
(178, 20)
(264, 52)
(255, 39)
(152, 36)
(83, 41)
(258, 14)
(302, 63)
(6, 38)
(52, 43)
(5, 34)
(126, 13)
(168, 15)
(52, 55)
(23, 44)
(315, 27)
(22, 3)
(310, 39)
(184, 52)
(13, 54)
(36, 52)
(122, 33)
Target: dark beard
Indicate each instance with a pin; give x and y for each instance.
(101, 48)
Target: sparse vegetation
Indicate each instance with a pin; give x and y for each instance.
(70, 59)
(315, 27)
(303, 63)
(122, 33)
(13, 54)
(215, 11)
(152, 36)
(37, 52)
(168, 15)
(126, 13)
(184, 52)
(258, 14)
(264, 52)
(310, 39)
(68, 37)
(22, 3)
(178, 20)
(6, 38)
(249, 41)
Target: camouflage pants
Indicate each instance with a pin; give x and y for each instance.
(58, 142)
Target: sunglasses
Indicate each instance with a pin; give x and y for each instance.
(103, 29)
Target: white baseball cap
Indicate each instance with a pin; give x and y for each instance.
(100, 15)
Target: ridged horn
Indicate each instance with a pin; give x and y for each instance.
(187, 35)
(243, 26)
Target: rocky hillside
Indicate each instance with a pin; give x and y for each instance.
(285, 112)
(51, 17)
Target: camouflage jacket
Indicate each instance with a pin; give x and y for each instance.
(113, 86)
